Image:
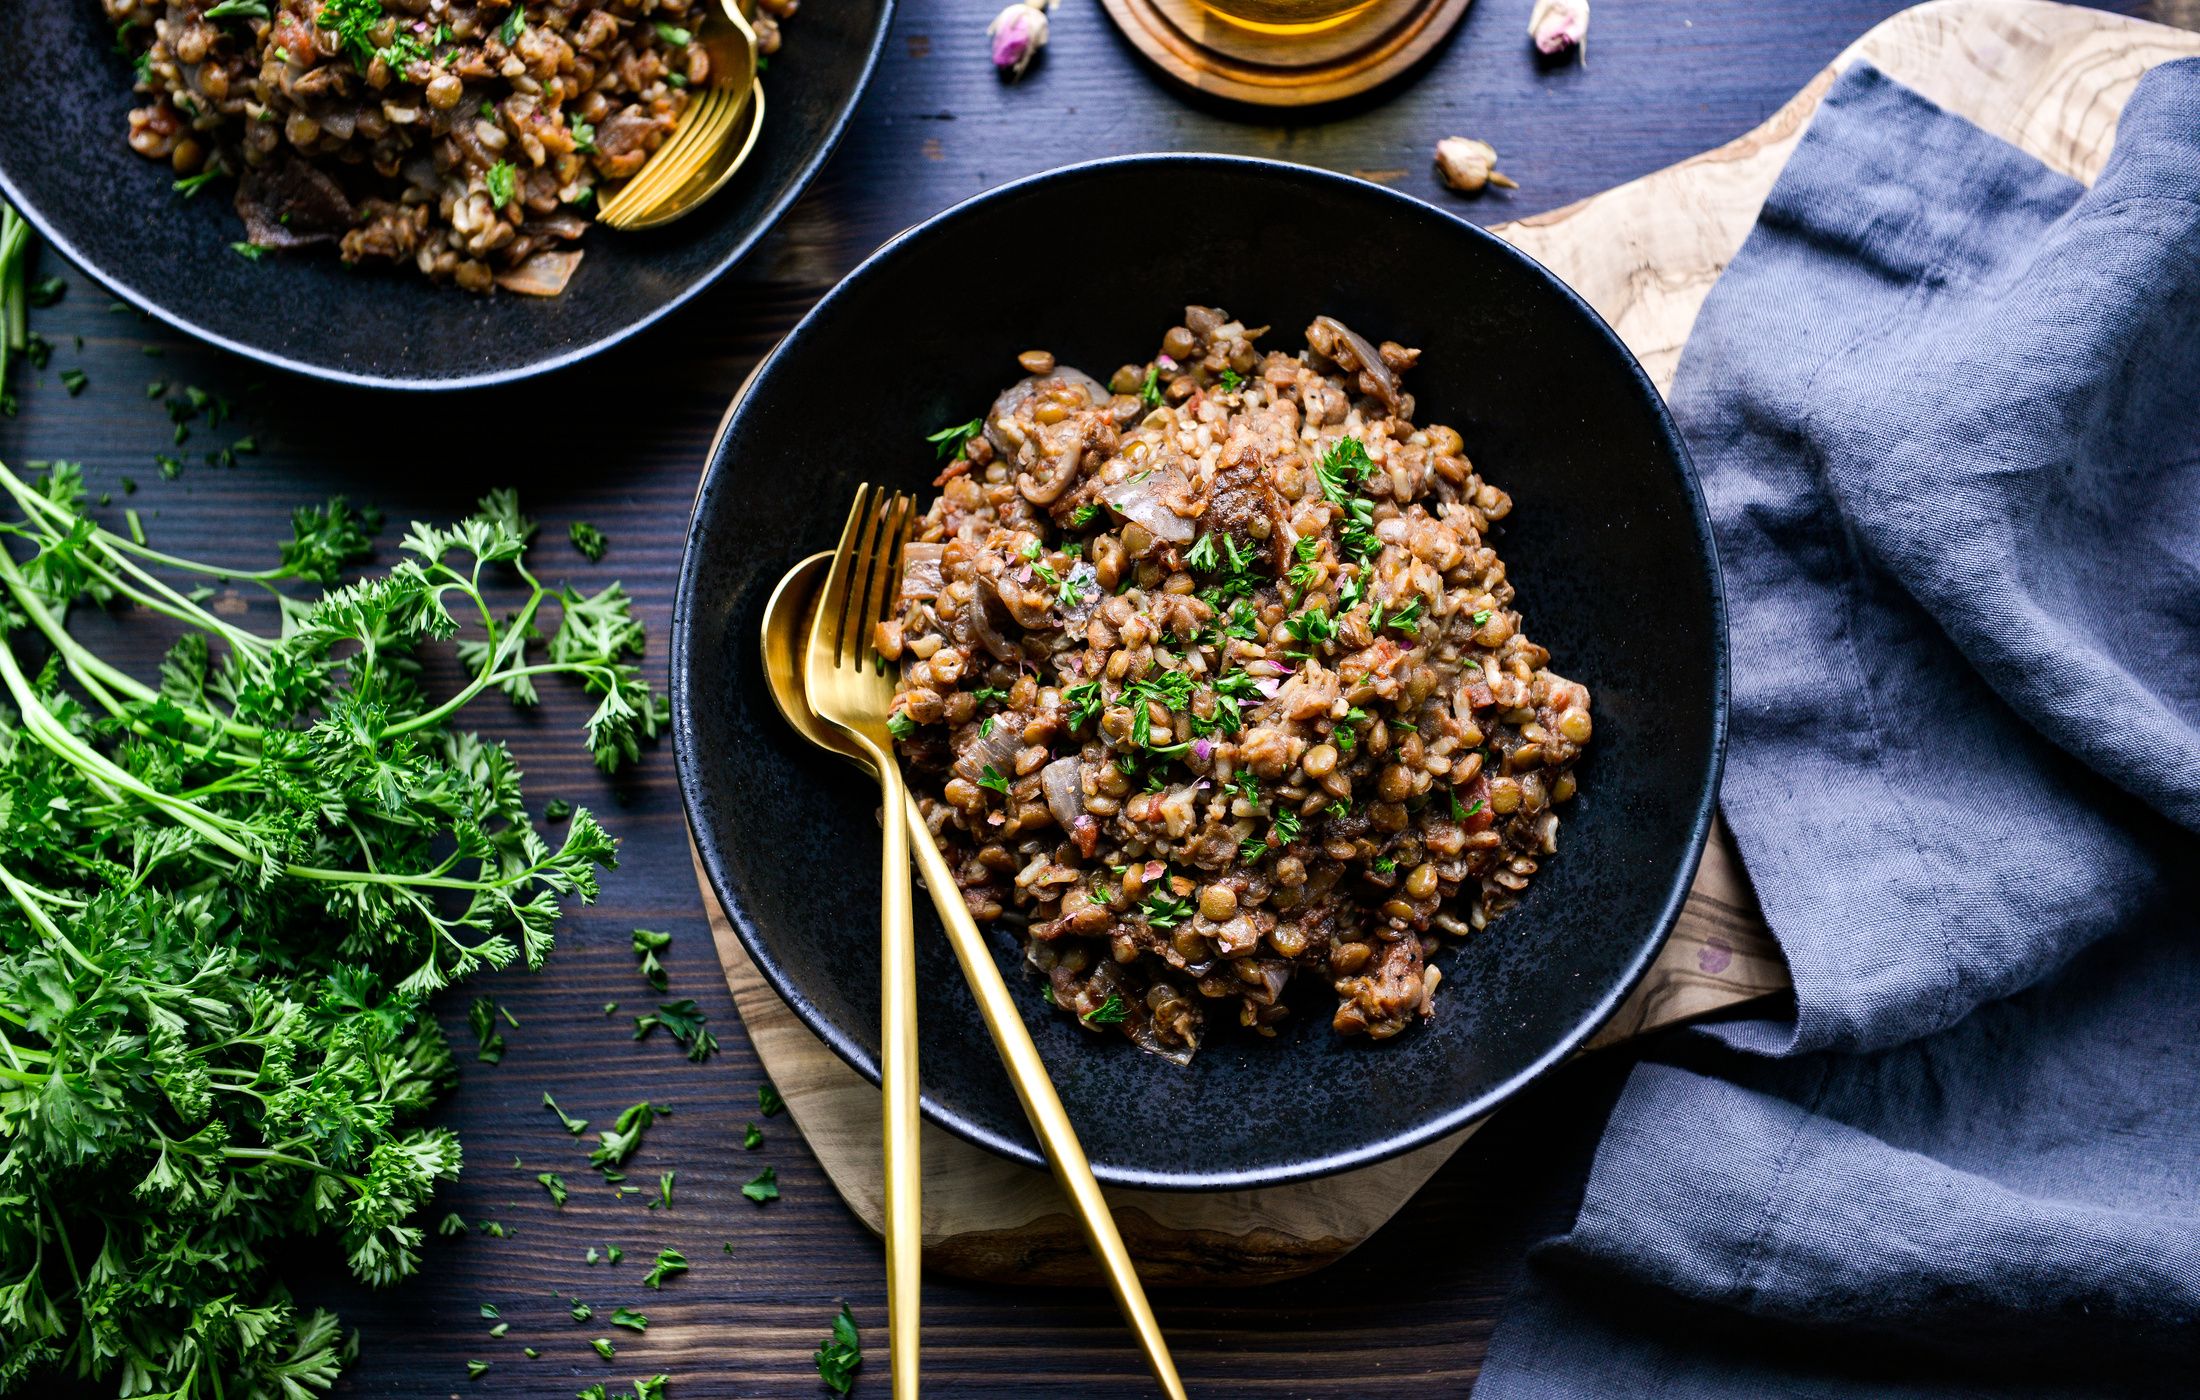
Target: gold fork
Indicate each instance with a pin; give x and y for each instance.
(850, 688)
(714, 138)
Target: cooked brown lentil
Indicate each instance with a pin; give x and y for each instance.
(1210, 678)
(468, 140)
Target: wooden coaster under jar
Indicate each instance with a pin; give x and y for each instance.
(1285, 53)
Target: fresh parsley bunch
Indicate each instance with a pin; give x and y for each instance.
(225, 899)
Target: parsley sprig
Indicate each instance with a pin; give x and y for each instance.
(225, 899)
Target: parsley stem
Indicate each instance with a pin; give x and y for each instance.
(284, 1159)
(42, 920)
(50, 732)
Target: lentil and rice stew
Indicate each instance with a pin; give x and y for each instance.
(468, 140)
(1211, 678)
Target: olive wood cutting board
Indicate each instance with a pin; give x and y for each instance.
(2050, 78)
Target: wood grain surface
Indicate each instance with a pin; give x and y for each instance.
(619, 442)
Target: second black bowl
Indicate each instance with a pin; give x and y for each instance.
(1608, 543)
(64, 111)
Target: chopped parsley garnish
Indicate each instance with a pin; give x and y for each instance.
(250, 252)
(950, 441)
(1085, 514)
(1085, 703)
(684, 1020)
(1164, 912)
(991, 778)
(1149, 393)
(1387, 866)
(625, 1134)
(752, 1137)
(1107, 1013)
(475, 1370)
(764, 1187)
(900, 725)
(838, 1356)
(674, 35)
(482, 1016)
(1481, 617)
(1202, 555)
(669, 1262)
(588, 540)
(190, 185)
(557, 809)
(354, 22)
(989, 695)
(514, 23)
(1247, 785)
(580, 1311)
(648, 943)
(1244, 623)
(555, 1185)
(1312, 626)
(1231, 379)
(1351, 591)
(501, 180)
(74, 381)
(630, 1319)
(768, 1100)
(985, 727)
(1408, 618)
(584, 134)
(603, 1347)
(1288, 825)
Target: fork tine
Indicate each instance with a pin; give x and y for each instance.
(885, 580)
(697, 135)
(863, 567)
(696, 141)
(832, 599)
(640, 194)
(863, 599)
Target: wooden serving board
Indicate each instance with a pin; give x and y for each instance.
(2050, 78)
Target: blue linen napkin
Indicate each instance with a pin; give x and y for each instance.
(1946, 405)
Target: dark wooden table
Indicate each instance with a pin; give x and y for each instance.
(1412, 1311)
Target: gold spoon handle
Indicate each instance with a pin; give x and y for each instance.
(1041, 1105)
(898, 1076)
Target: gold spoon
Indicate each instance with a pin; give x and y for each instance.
(714, 138)
(786, 624)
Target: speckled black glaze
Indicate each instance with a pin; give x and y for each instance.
(1609, 544)
(64, 164)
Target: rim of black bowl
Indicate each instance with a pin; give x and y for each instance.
(1381, 1150)
(741, 248)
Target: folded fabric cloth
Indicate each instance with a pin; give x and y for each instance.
(1946, 406)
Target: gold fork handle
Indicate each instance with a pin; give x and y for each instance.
(1041, 1104)
(898, 1075)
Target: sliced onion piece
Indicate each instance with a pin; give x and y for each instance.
(1370, 359)
(1140, 499)
(920, 572)
(1064, 781)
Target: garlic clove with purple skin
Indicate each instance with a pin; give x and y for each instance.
(1468, 165)
(1559, 26)
(1018, 33)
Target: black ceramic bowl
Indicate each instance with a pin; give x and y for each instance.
(1608, 542)
(64, 164)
